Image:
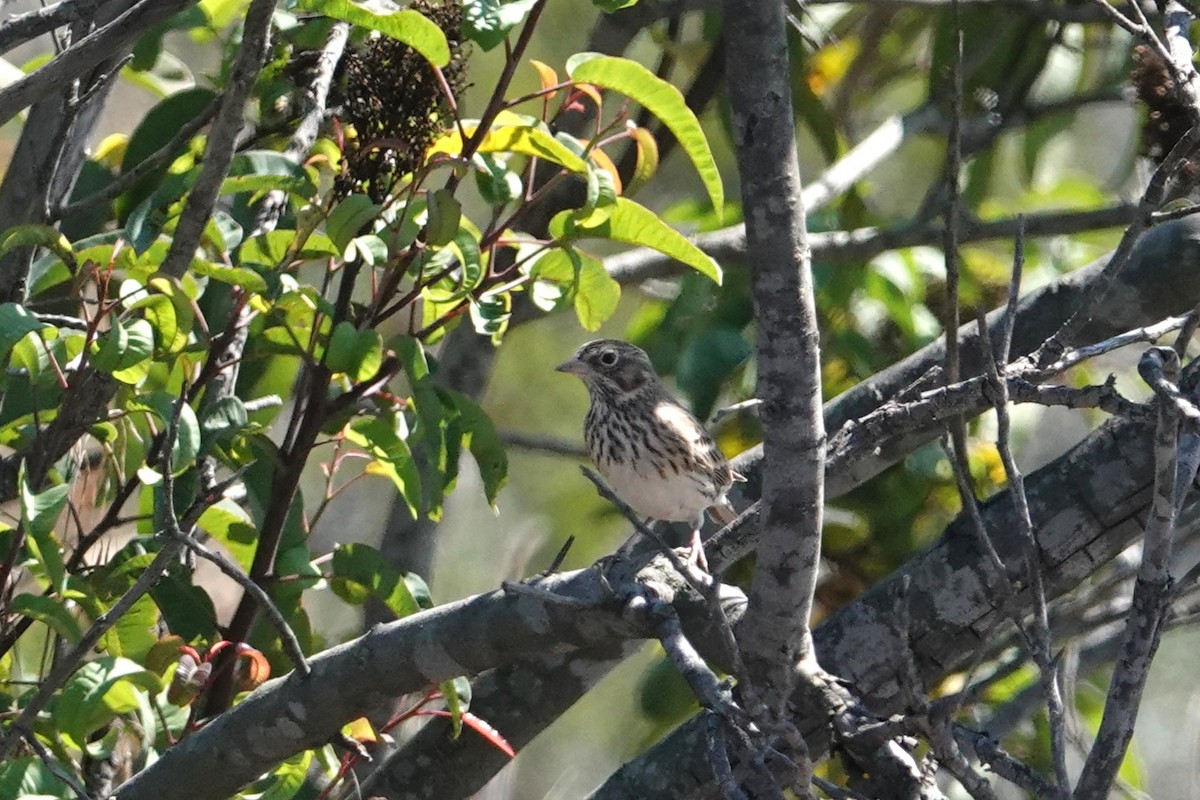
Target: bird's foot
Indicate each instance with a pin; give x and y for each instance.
(694, 553)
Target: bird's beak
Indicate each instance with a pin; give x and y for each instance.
(573, 367)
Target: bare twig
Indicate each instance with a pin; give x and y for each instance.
(23, 27)
(87, 53)
(543, 444)
(152, 162)
(1143, 629)
(1039, 638)
(291, 644)
(314, 98)
(51, 764)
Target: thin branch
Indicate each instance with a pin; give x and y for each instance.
(1039, 638)
(861, 244)
(314, 98)
(1152, 589)
(51, 764)
(222, 138)
(87, 53)
(127, 180)
(291, 644)
(543, 444)
(1152, 199)
(23, 27)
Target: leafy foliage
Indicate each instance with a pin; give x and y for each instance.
(286, 315)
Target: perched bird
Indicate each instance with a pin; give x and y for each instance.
(650, 450)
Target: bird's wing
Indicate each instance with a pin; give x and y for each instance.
(699, 445)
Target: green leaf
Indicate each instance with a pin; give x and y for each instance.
(526, 140)
(348, 218)
(497, 184)
(221, 420)
(49, 611)
(145, 222)
(186, 608)
(632, 223)
(382, 438)
(584, 281)
(244, 277)
(662, 100)
(15, 324)
(361, 572)
(486, 22)
(135, 362)
(29, 779)
(161, 124)
(229, 524)
(445, 212)
(39, 512)
(457, 694)
(135, 631)
(358, 354)
(647, 160)
(490, 314)
(187, 441)
(266, 170)
(97, 693)
(480, 437)
(288, 778)
(33, 235)
(408, 26)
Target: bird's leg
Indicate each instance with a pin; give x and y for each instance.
(695, 550)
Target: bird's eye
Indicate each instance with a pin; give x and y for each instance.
(608, 358)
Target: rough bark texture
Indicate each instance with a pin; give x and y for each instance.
(774, 635)
(1088, 507)
(1163, 271)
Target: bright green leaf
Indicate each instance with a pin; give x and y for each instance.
(97, 693)
(526, 140)
(486, 22)
(15, 324)
(360, 571)
(187, 440)
(229, 524)
(49, 611)
(445, 212)
(39, 512)
(134, 364)
(584, 281)
(358, 354)
(480, 437)
(381, 437)
(33, 235)
(632, 223)
(135, 631)
(348, 218)
(408, 26)
(662, 100)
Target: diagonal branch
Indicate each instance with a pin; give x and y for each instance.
(222, 139)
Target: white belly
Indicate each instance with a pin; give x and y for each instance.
(674, 498)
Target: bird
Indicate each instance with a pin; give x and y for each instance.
(653, 453)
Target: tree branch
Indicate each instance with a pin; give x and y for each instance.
(222, 138)
(774, 635)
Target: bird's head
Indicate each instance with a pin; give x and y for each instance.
(611, 367)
